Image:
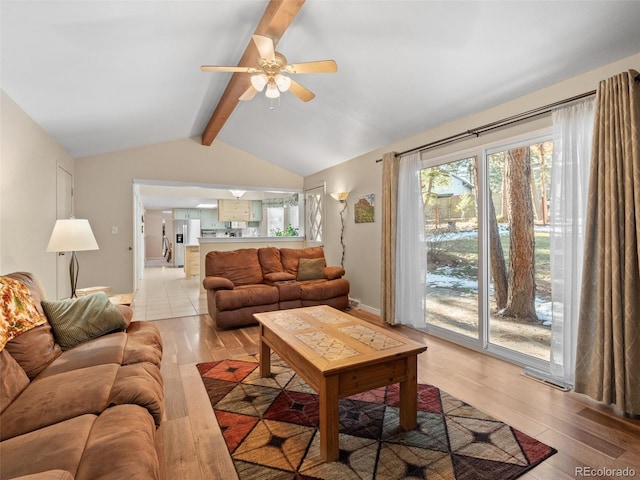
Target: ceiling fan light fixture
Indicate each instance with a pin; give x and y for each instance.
(283, 82)
(238, 193)
(259, 81)
(272, 91)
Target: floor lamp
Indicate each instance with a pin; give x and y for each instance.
(342, 198)
(72, 235)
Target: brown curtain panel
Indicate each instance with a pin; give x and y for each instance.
(608, 348)
(389, 208)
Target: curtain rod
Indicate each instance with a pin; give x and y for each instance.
(475, 132)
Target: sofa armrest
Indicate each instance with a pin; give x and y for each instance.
(331, 273)
(217, 283)
(278, 277)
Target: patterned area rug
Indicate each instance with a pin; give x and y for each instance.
(271, 429)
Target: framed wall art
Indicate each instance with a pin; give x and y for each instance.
(364, 210)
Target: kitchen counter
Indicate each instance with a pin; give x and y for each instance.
(249, 239)
(224, 244)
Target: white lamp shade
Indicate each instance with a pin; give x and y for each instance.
(283, 82)
(340, 196)
(272, 91)
(72, 235)
(259, 81)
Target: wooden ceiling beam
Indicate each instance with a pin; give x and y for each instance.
(276, 19)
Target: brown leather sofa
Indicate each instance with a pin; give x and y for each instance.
(242, 282)
(89, 412)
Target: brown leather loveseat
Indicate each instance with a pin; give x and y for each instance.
(242, 282)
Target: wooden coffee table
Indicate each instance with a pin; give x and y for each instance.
(339, 355)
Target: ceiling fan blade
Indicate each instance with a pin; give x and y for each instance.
(321, 66)
(215, 68)
(265, 47)
(248, 94)
(301, 92)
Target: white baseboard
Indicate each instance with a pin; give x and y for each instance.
(367, 308)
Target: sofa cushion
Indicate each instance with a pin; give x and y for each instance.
(270, 260)
(32, 452)
(144, 344)
(97, 351)
(13, 380)
(246, 296)
(18, 313)
(48, 475)
(291, 256)
(278, 277)
(44, 403)
(311, 268)
(34, 350)
(324, 289)
(79, 319)
(121, 446)
(240, 266)
(139, 384)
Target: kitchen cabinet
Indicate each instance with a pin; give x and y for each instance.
(255, 214)
(191, 260)
(186, 213)
(240, 210)
(209, 220)
(233, 210)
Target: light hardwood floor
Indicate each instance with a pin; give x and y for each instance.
(585, 434)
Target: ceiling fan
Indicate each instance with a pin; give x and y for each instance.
(270, 69)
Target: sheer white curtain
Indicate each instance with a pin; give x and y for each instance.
(572, 135)
(410, 249)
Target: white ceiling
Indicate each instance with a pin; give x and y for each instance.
(101, 75)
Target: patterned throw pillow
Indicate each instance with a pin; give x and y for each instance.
(18, 312)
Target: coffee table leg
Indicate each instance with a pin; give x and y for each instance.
(329, 415)
(265, 356)
(409, 395)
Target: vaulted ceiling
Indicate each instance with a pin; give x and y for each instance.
(101, 76)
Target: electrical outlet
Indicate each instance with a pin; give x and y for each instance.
(114, 230)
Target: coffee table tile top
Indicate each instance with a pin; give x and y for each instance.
(291, 324)
(326, 316)
(327, 346)
(370, 337)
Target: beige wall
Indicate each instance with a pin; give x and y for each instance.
(28, 168)
(362, 175)
(104, 194)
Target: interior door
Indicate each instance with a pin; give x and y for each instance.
(314, 199)
(64, 209)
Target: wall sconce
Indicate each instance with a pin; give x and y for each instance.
(342, 198)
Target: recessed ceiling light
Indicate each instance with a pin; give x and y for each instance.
(206, 205)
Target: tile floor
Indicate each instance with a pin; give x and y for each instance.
(164, 292)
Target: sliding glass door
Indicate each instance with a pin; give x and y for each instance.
(488, 258)
(519, 254)
(451, 232)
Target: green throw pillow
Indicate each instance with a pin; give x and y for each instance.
(310, 268)
(76, 320)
